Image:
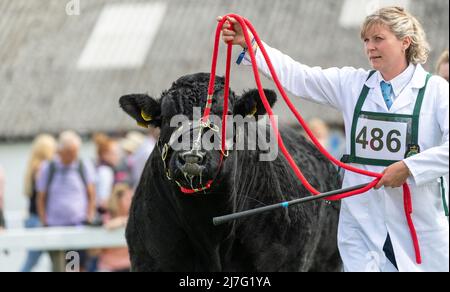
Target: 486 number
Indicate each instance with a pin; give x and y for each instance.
(377, 143)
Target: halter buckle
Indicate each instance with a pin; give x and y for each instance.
(164, 152)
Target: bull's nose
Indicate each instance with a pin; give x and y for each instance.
(192, 157)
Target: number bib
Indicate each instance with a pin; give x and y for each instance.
(384, 138)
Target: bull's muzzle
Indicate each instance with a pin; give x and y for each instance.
(191, 161)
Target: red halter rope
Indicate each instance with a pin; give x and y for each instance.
(245, 24)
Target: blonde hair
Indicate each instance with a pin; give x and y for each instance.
(42, 149)
(402, 24)
(119, 191)
(442, 60)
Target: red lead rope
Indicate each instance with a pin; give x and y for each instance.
(245, 24)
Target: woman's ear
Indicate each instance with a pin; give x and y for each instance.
(143, 108)
(406, 43)
(250, 103)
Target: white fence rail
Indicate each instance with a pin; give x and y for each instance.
(61, 238)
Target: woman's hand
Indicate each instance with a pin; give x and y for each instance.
(394, 176)
(116, 223)
(235, 36)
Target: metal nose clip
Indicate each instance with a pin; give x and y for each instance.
(192, 157)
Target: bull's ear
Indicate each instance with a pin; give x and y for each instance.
(250, 103)
(143, 108)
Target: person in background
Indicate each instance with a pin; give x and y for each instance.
(442, 65)
(320, 130)
(107, 166)
(117, 259)
(66, 190)
(2, 191)
(131, 143)
(108, 158)
(331, 140)
(140, 156)
(43, 149)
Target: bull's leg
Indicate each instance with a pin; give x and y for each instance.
(141, 259)
(326, 257)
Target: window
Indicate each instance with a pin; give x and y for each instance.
(122, 36)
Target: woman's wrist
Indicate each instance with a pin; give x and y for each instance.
(243, 44)
(254, 49)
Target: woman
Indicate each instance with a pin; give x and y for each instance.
(442, 65)
(108, 157)
(117, 259)
(383, 135)
(42, 149)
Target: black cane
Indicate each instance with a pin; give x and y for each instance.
(226, 218)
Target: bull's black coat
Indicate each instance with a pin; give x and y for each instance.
(171, 231)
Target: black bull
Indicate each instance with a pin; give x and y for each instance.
(172, 231)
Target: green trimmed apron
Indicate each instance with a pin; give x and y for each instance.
(382, 139)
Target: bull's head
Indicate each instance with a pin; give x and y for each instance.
(186, 159)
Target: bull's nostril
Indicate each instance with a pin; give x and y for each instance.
(192, 157)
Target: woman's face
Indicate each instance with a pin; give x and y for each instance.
(443, 71)
(386, 53)
(125, 202)
(113, 155)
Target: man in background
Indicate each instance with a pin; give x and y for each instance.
(66, 191)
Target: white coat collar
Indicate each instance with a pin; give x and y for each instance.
(406, 97)
(402, 80)
(419, 77)
(375, 95)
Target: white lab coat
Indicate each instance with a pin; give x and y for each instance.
(365, 220)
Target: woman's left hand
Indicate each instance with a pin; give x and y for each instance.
(394, 176)
(116, 223)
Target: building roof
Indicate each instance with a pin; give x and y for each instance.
(46, 88)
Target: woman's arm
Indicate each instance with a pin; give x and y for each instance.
(91, 207)
(324, 86)
(40, 205)
(42, 191)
